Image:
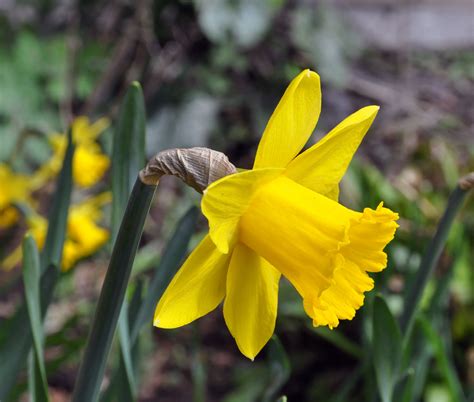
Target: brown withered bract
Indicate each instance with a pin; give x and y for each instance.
(197, 167)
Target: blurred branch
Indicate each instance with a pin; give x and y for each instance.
(119, 63)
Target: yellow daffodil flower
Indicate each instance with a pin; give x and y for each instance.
(283, 217)
(83, 237)
(89, 162)
(14, 188)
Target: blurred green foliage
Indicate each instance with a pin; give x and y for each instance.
(34, 79)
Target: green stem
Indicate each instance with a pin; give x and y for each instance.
(112, 295)
(432, 254)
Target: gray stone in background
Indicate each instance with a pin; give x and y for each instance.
(395, 25)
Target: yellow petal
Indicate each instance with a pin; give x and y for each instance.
(15, 186)
(294, 229)
(84, 231)
(321, 247)
(84, 132)
(292, 122)
(8, 217)
(367, 237)
(197, 288)
(71, 254)
(322, 166)
(89, 165)
(225, 200)
(250, 306)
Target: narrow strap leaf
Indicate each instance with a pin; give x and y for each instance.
(432, 254)
(31, 280)
(112, 295)
(340, 341)
(14, 349)
(128, 155)
(142, 307)
(126, 352)
(444, 361)
(387, 348)
(279, 369)
(173, 254)
(57, 226)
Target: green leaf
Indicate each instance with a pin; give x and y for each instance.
(57, 226)
(16, 346)
(173, 254)
(429, 260)
(387, 348)
(31, 280)
(112, 295)
(136, 299)
(279, 367)
(443, 359)
(339, 340)
(126, 354)
(417, 356)
(128, 155)
(198, 368)
(142, 308)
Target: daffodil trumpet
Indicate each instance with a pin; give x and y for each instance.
(280, 218)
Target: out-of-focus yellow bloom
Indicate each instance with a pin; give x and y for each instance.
(84, 235)
(8, 217)
(89, 163)
(283, 217)
(37, 226)
(84, 132)
(83, 238)
(14, 188)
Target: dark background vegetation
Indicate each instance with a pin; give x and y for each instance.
(212, 72)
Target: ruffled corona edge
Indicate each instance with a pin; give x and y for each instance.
(360, 252)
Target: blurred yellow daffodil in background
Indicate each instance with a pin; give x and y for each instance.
(14, 188)
(84, 234)
(283, 217)
(89, 163)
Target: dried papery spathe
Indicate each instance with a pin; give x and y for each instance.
(197, 167)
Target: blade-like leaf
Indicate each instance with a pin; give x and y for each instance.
(128, 155)
(344, 392)
(126, 354)
(57, 219)
(430, 258)
(387, 348)
(14, 349)
(416, 359)
(173, 254)
(198, 368)
(112, 295)
(142, 307)
(443, 359)
(31, 280)
(339, 340)
(279, 366)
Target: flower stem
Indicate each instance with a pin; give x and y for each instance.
(112, 295)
